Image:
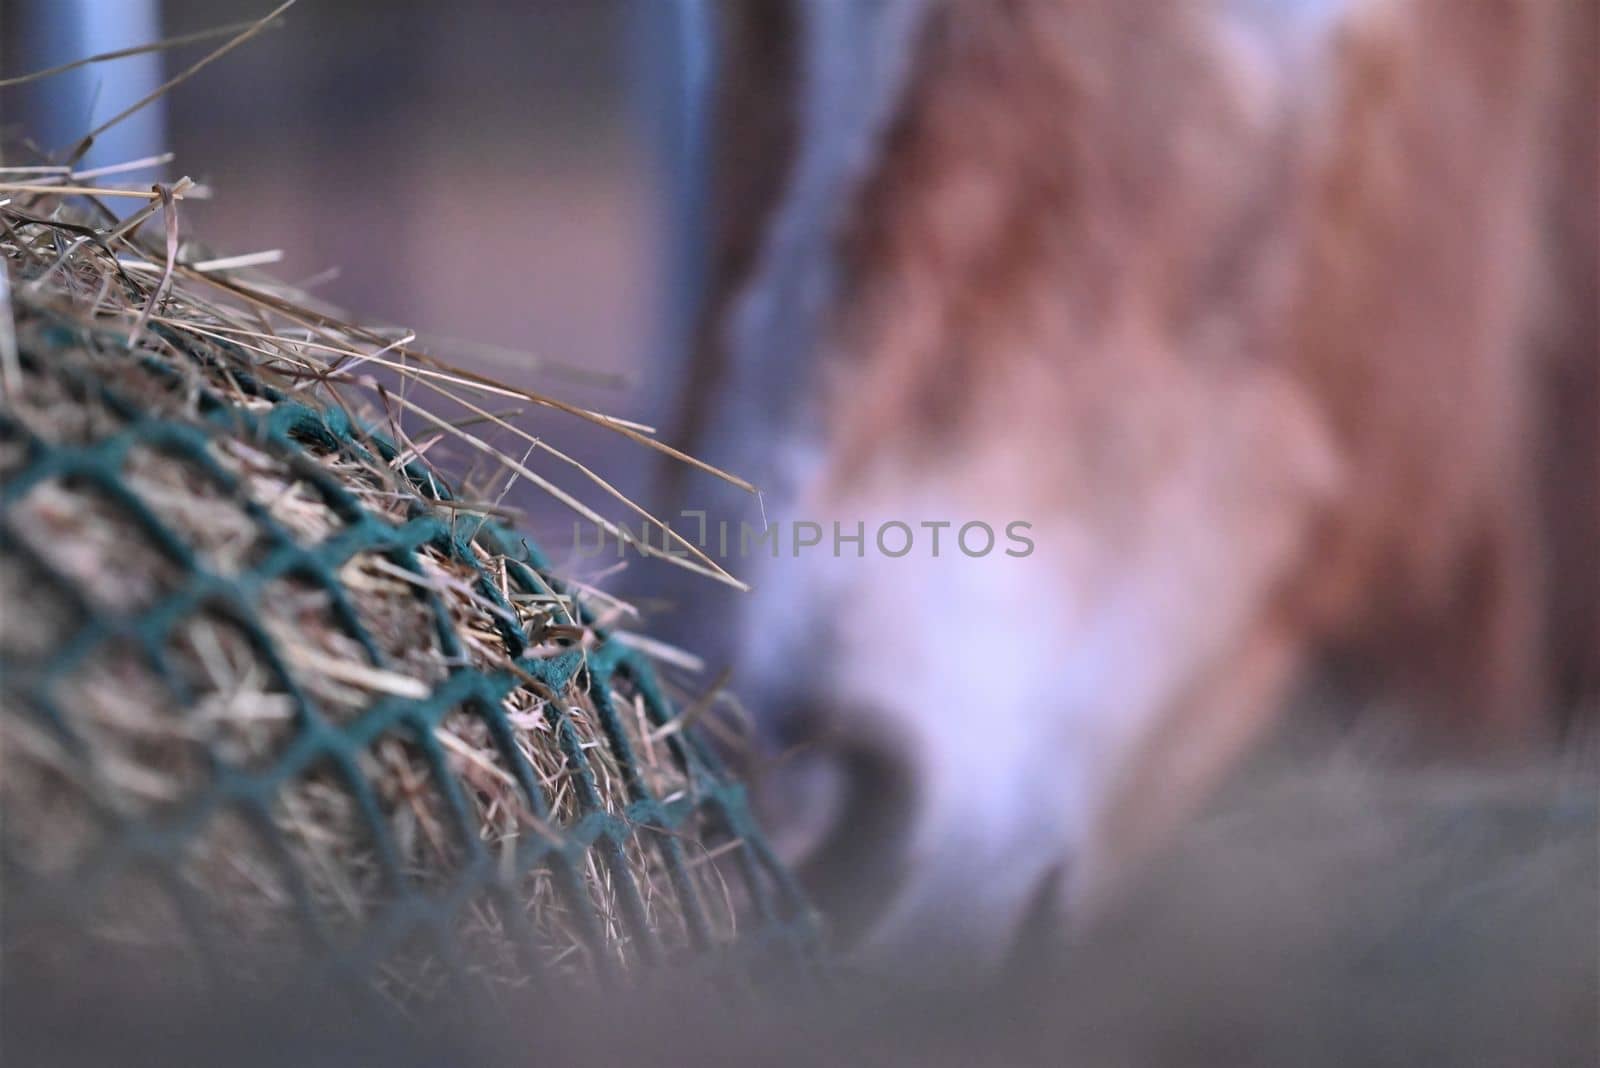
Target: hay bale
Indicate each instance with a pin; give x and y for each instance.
(271, 694)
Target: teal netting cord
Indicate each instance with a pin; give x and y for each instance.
(785, 928)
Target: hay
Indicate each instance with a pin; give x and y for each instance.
(107, 743)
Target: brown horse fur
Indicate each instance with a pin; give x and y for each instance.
(1277, 324)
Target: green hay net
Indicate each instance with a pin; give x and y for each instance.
(393, 824)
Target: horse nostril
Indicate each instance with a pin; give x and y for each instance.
(798, 787)
(840, 801)
(798, 725)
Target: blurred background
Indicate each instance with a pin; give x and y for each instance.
(507, 180)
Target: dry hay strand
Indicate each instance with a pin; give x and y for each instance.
(270, 686)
